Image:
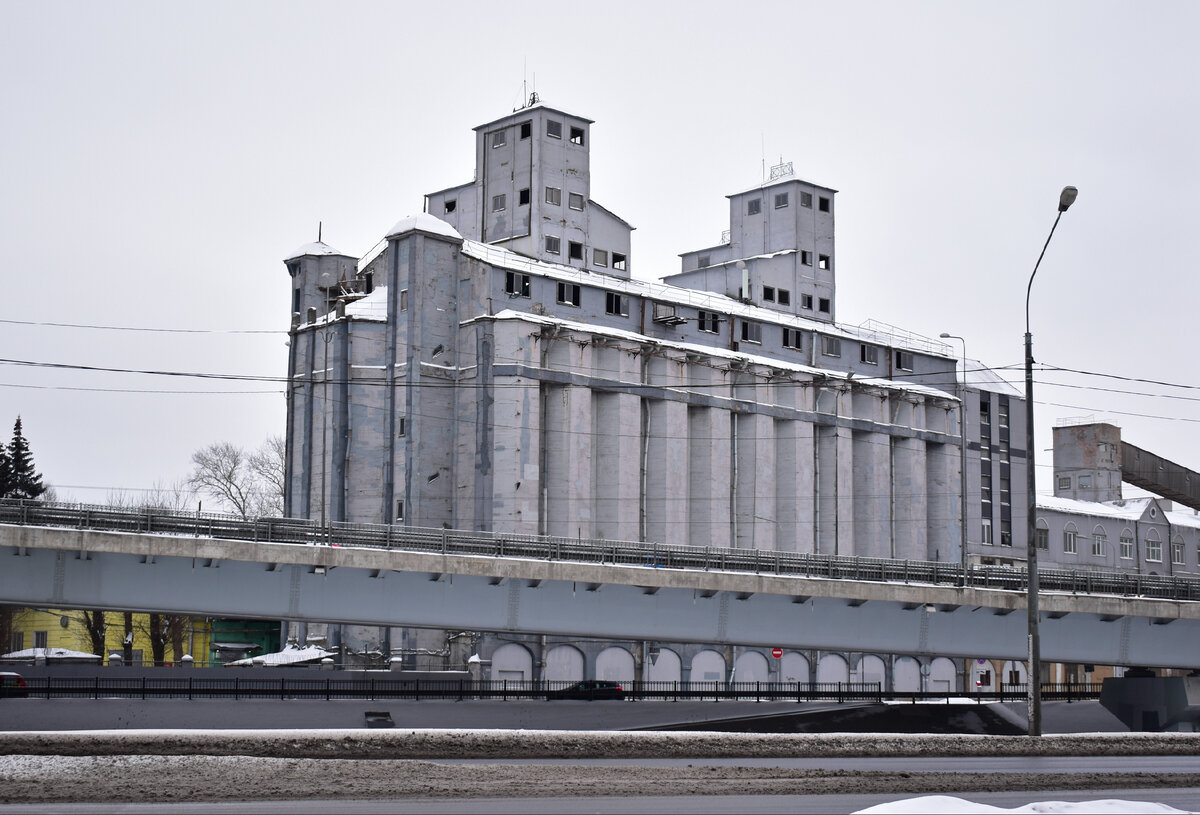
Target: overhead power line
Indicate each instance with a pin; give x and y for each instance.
(151, 330)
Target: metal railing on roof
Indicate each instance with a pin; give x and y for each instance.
(618, 553)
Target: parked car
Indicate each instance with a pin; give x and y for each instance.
(13, 684)
(589, 689)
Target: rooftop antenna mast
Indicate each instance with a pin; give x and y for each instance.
(318, 231)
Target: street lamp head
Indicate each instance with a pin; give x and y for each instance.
(944, 335)
(1066, 198)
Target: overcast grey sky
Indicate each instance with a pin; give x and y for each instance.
(158, 160)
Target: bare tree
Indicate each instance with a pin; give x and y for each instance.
(97, 631)
(267, 463)
(163, 630)
(250, 484)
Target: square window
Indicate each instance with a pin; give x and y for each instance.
(806, 199)
(751, 332)
(499, 138)
(1085, 481)
(904, 360)
(1154, 550)
(769, 294)
(574, 250)
(516, 284)
(523, 197)
(868, 354)
(754, 206)
(552, 244)
(823, 204)
(615, 304)
(831, 346)
(783, 297)
(806, 301)
(553, 129)
(600, 257)
(1064, 482)
(781, 200)
(575, 201)
(451, 205)
(791, 339)
(569, 294)
(823, 305)
(554, 196)
(618, 261)
(499, 203)
(823, 262)
(576, 135)
(708, 322)
(526, 129)
(806, 257)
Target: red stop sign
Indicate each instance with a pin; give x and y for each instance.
(777, 652)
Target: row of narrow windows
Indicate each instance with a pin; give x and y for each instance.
(824, 262)
(554, 130)
(783, 200)
(519, 284)
(1125, 551)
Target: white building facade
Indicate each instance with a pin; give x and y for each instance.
(493, 365)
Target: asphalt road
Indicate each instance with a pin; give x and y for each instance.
(1185, 799)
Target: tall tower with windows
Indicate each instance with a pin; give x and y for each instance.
(532, 193)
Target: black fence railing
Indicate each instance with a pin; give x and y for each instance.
(622, 553)
(372, 688)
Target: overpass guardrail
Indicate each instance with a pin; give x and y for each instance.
(622, 553)
(371, 688)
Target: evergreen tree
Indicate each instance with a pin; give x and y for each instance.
(24, 480)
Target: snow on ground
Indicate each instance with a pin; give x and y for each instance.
(945, 805)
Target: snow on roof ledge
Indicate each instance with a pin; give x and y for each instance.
(424, 222)
(318, 248)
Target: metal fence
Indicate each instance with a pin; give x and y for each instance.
(623, 553)
(372, 688)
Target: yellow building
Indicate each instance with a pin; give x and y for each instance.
(57, 628)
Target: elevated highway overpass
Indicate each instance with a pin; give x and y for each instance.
(63, 556)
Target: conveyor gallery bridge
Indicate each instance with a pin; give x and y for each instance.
(66, 555)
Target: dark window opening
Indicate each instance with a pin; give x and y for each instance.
(904, 360)
(754, 206)
(769, 294)
(615, 304)
(823, 305)
(791, 338)
(526, 129)
(823, 262)
(569, 294)
(806, 301)
(574, 250)
(523, 197)
(707, 322)
(783, 297)
(516, 284)
(451, 205)
(576, 135)
(823, 204)
(618, 261)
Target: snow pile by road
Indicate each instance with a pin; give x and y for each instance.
(949, 805)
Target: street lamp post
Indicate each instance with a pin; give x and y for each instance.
(1034, 683)
(962, 450)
